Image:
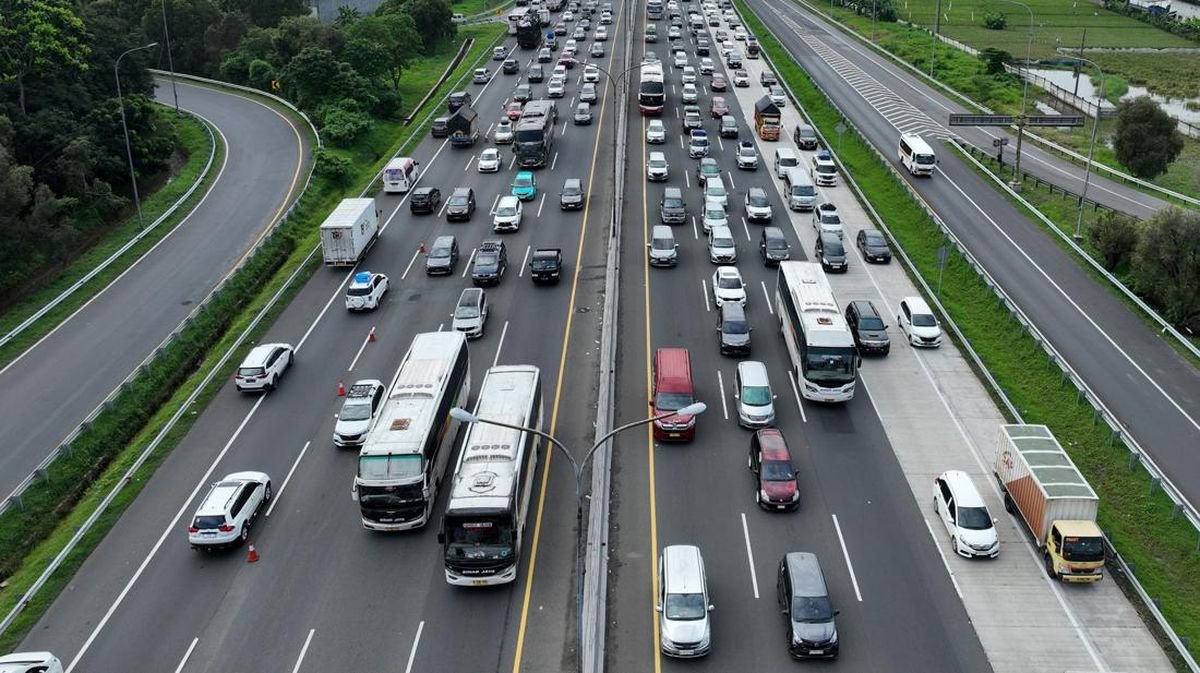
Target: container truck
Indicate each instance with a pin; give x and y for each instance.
(463, 126)
(766, 119)
(1043, 486)
(349, 231)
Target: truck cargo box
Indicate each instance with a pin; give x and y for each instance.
(1040, 480)
(349, 231)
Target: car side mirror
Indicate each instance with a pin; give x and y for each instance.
(836, 613)
(711, 607)
(775, 396)
(783, 611)
(676, 246)
(658, 607)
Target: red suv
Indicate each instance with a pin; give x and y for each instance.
(673, 390)
(771, 463)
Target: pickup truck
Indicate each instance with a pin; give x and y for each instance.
(546, 265)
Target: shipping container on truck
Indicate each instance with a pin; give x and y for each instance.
(349, 231)
(766, 119)
(1041, 484)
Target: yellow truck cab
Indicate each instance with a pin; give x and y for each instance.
(1074, 551)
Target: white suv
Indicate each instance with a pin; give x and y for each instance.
(918, 323)
(366, 291)
(364, 399)
(226, 513)
(263, 367)
(966, 518)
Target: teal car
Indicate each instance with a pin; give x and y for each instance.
(524, 186)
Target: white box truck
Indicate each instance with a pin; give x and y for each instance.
(1043, 486)
(349, 231)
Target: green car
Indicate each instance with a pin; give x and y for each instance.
(708, 168)
(524, 186)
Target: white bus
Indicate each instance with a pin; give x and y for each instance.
(817, 337)
(518, 15)
(405, 455)
(399, 175)
(916, 155)
(484, 522)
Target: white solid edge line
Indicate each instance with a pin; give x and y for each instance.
(187, 655)
(721, 387)
(846, 553)
(275, 497)
(416, 254)
(366, 340)
(938, 546)
(750, 555)
(500, 345)
(467, 266)
(412, 655)
(170, 527)
(796, 392)
(303, 651)
(767, 295)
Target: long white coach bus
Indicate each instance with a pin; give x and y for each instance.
(484, 523)
(817, 337)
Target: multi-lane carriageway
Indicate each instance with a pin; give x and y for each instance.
(327, 596)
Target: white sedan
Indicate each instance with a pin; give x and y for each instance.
(714, 216)
(656, 133)
(591, 73)
(489, 161)
(681, 59)
(728, 286)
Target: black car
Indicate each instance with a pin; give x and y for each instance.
(831, 253)
(523, 93)
(873, 246)
(425, 200)
(734, 329)
(510, 66)
(458, 99)
(461, 205)
(805, 137)
(868, 328)
(536, 73)
(491, 261)
(773, 246)
(702, 46)
(440, 127)
(572, 196)
(442, 256)
(545, 266)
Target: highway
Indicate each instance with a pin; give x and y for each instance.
(857, 513)
(1149, 387)
(52, 386)
(327, 594)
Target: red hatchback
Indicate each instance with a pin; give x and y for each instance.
(513, 111)
(775, 478)
(717, 83)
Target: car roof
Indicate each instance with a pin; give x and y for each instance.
(773, 232)
(673, 191)
(865, 308)
(753, 372)
(731, 310)
(258, 355)
(917, 305)
(218, 497)
(965, 493)
(461, 191)
(525, 174)
(771, 441)
(805, 571)
(756, 191)
(721, 229)
(491, 244)
(728, 271)
(446, 239)
(573, 182)
(509, 200)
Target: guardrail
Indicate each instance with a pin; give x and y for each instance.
(1182, 506)
(458, 57)
(1066, 152)
(1027, 178)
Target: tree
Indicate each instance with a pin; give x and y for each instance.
(316, 76)
(995, 21)
(994, 60)
(189, 21)
(432, 20)
(1146, 141)
(1166, 265)
(1114, 236)
(295, 33)
(347, 16)
(39, 36)
(393, 38)
(267, 13)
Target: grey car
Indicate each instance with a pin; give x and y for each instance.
(442, 256)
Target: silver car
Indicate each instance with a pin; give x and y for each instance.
(470, 313)
(354, 421)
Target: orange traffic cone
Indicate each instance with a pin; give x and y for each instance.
(252, 555)
(371, 336)
(341, 388)
(422, 248)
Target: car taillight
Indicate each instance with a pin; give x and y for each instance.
(225, 528)
(193, 529)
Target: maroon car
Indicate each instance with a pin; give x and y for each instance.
(775, 478)
(718, 83)
(719, 107)
(513, 110)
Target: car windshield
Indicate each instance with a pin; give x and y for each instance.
(826, 168)
(714, 214)
(458, 200)
(672, 401)
(716, 190)
(1083, 549)
(486, 259)
(658, 163)
(974, 518)
(479, 539)
(736, 327)
(923, 320)
(506, 211)
(490, 155)
(523, 181)
(828, 364)
(925, 159)
(709, 167)
(876, 240)
(355, 410)
(685, 607)
(758, 199)
(756, 396)
(777, 470)
(870, 323)
(777, 244)
(571, 190)
(729, 282)
(833, 249)
(440, 252)
(467, 312)
(812, 609)
(722, 242)
(662, 243)
(672, 202)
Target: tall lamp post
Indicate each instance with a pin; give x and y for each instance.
(578, 467)
(137, 202)
(1087, 173)
(1016, 179)
(170, 59)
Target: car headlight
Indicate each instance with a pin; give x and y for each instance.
(763, 495)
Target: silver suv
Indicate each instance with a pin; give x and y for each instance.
(224, 516)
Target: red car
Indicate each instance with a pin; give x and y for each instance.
(719, 108)
(718, 83)
(775, 478)
(513, 111)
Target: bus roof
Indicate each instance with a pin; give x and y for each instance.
(818, 308)
(916, 143)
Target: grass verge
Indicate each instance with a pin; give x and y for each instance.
(196, 143)
(1162, 549)
(31, 538)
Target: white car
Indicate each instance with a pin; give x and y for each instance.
(30, 662)
(366, 290)
(706, 66)
(560, 71)
(714, 190)
(364, 399)
(591, 73)
(964, 514)
(739, 33)
(481, 76)
(225, 514)
(470, 313)
(758, 206)
(587, 93)
(690, 93)
(778, 97)
(503, 135)
(918, 323)
(681, 59)
(741, 78)
(602, 33)
(508, 214)
(557, 88)
(674, 33)
(714, 216)
(568, 16)
(570, 48)
(656, 133)
(689, 74)
(722, 247)
(489, 161)
(263, 367)
(747, 156)
(656, 167)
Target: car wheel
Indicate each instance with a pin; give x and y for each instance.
(1049, 565)
(291, 360)
(270, 385)
(245, 534)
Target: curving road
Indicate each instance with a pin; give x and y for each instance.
(56, 383)
(1150, 388)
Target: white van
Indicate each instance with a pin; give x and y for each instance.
(799, 188)
(683, 605)
(756, 402)
(916, 155)
(664, 251)
(785, 158)
(399, 175)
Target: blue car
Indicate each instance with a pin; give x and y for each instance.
(524, 186)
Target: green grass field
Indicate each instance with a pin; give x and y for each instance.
(469, 7)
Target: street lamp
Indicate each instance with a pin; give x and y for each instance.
(128, 150)
(1087, 174)
(1016, 180)
(170, 59)
(578, 468)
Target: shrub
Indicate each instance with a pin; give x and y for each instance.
(343, 121)
(1114, 236)
(330, 165)
(1166, 265)
(261, 74)
(995, 21)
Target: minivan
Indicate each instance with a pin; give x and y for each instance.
(918, 323)
(714, 191)
(682, 604)
(773, 246)
(672, 209)
(442, 257)
(673, 390)
(958, 504)
(916, 155)
(664, 251)
(734, 329)
(785, 158)
(831, 253)
(799, 188)
(470, 313)
(804, 601)
(752, 389)
(867, 327)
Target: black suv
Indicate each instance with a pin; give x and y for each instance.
(425, 200)
(773, 246)
(572, 196)
(457, 100)
(672, 209)
(491, 261)
(461, 205)
(831, 253)
(734, 329)
(546, 265)
(702, 46)
(868, 328)
(873, 246)
(805, 137)
(442, 256)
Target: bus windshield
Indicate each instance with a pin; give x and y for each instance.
(389, 467)
(832, 365)
(478, 539)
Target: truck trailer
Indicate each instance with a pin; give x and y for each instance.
(766, 119)
(1043, 486)
(349, 231)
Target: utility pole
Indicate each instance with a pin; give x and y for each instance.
(1077, 63)
(937, 25)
